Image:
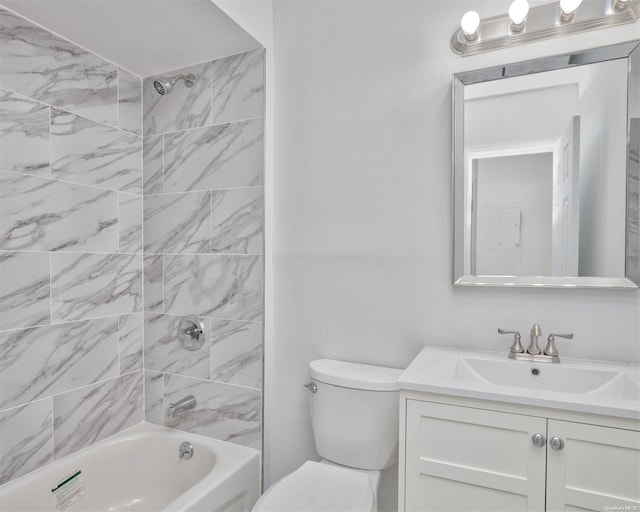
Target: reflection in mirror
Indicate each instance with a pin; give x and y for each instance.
(541, 174)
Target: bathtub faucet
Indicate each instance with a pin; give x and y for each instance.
(188, 402)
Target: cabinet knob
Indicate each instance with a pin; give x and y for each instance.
(538, 440)
(556, 443)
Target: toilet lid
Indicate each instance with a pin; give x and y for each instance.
(319, 487)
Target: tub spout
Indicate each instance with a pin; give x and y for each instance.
(188, 402)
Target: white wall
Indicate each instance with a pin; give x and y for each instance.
(362, 202)
(524, 182)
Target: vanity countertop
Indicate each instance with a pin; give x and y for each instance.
(610, 389)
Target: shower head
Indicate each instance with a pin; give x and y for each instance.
(164, 85)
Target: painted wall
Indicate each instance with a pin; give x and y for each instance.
(362, 202)
(70, 248)
(525, 183)
(203, 247)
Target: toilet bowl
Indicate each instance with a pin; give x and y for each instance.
(354, 416)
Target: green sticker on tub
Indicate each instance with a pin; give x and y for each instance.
(69, 491)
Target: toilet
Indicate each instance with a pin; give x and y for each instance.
(354, 415)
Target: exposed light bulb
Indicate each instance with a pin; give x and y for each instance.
(568, 9)
(518, 11)
(469, 25)
(569, 6)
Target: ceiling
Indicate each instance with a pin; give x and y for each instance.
(146, 37)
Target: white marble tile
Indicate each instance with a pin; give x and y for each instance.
(183, 108)
(237, 221)
(238, 87)
(163, 352)
(153, 164)
(130, 222)
(24, 135)
(154, 397)
(153, 284)
(42, 361)
(224, 156)
(24, 289)
(236, 352)
(129, 102)
(40, 214)
(175, 223)
(95, 285)
(83, 151)
(223, 411)
(633, 204)
(88, 415)
(26, 439)
(130, 334)
(45, 67)
(214, 286)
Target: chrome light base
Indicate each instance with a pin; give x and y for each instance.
(545, 22)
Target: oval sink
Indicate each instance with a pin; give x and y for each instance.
(533, 375)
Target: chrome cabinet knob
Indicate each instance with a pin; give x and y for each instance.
(538, 440)
(556, 443)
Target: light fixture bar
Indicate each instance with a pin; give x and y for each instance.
(544, 22)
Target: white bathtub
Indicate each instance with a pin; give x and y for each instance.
(139, 470)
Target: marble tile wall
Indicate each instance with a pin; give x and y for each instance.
(633, 203)
(71, 247)
(203, 247)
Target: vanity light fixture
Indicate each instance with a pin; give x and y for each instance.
(518, 11)
(523, 25)
(618, 5)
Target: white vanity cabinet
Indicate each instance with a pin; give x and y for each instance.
(461, 454)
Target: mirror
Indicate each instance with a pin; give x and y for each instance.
(546, 173)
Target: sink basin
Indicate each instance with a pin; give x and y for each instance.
(611, 389)
(549, 377)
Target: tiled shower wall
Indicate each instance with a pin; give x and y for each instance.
(203, 247)
(71, 262)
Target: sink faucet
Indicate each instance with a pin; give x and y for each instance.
(533, 353)
(534, 349)
(188, 402)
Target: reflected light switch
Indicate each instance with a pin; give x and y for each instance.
(509, 226)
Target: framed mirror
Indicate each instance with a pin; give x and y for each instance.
(545, 171)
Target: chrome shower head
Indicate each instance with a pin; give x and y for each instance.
(164, 85)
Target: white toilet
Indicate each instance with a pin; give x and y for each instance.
(354, 414)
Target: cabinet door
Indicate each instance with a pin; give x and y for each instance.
(597, 469)
(462, 459)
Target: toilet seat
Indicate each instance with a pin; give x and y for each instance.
(319, 487)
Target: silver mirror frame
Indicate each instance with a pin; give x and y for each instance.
(618, 51)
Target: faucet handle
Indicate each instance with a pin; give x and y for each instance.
(516, 347)
(550, 349)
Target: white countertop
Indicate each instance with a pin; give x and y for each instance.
(445, 371)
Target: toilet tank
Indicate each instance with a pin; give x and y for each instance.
(354, 413)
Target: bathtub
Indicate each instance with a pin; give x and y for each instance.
(139, 470)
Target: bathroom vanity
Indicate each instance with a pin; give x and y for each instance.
(479, 431)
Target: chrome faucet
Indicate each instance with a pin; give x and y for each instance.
(533, 353)
(188, 402)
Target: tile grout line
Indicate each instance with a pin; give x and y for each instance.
(71, 390)
(75, 183)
